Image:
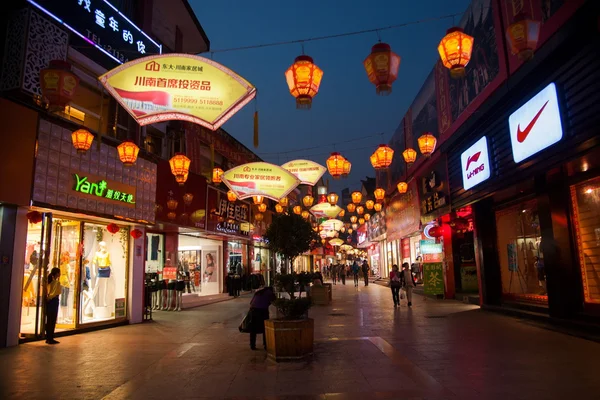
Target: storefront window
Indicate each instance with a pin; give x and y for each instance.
(199, 263)
(520, 253)
(586, 209)
(237, 257)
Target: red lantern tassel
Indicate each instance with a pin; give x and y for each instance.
(255, 129)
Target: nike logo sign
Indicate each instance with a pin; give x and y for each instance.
(522, 134)
(472, 159)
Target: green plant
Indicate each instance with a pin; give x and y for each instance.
(293, 309)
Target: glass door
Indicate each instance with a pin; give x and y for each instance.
(65, 255)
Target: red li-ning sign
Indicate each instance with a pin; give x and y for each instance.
(475, 163)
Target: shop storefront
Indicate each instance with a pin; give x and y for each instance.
(199, 264)
(376, 234)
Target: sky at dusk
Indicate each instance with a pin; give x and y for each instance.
(346, 116)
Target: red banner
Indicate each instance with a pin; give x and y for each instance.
(169, 273)
(405, 245)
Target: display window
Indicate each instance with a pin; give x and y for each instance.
(585, 199)
(155, 250)
(199, 265)
(520, 253)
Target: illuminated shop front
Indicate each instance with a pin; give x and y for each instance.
(200, 262)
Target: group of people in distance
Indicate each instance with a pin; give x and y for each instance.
(338, 272)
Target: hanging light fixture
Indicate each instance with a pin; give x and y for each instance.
(172, 204)
(382, 68)
(360, 210)
(343, 229)
(187, 199)
(427, 144)
(402, 187)
(361, 221)
(367, 217)
(262, 207)
(305, 214)
(351, 207)
(347, 166)
(379, 194)
(350, 233)
(369, 204)
(297, 210)
(455, 51)
(382, 157)
(356, 197)
(128, 152)
(217, 175)
(303, 78)
(353, 218)
(308, 200)
(332, 198)
(284, 201)
(378, 207)
(180, 167)
(278, 208)
(231, 196)
(342, 213)
(523, 35)
(258, 199)
(82, 140)
(335, 165)
(355, 226)
(323, 241)
(171, 215)
(259, 217)
(410, 156)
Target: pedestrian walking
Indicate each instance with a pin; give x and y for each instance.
(417, 269)
(335, 268)
(54, 289)
(343, 274)
(355, 272)
(365, 271)
(408, 283)
(395, 284)
(259, 313)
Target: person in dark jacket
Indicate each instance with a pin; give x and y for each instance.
(365, 271)
(355, 272)
(259, 311)
(343, 273)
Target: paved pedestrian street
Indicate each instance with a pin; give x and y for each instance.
(365, 349)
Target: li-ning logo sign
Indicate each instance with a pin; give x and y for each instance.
(475, 164)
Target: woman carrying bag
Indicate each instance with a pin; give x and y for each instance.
(254, 322)
(395, 284)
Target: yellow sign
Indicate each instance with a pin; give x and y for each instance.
(260, 179)
(325, 210)
(309, 172)
(178, 87)
(332, 224)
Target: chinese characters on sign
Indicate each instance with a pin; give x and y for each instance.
(434, 197)
(261, 179)
(229, 217)
(101, 189)
(309, 172)
(433, 278)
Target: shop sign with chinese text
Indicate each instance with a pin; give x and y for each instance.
(260, 179)
(308, 172)
(402, 213)
(100, 188)
(325, 210)
(433, 278)
(434, 193)
(376, 226)
(178, 87)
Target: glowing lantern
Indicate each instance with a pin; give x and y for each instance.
(315, 229)
(335, 165)
(58, 84)
(367, 217)
(427, 144)
(342, 213)
(257, 199)
(217, 175)
(455, 51)
(353, 218)
(180, 167)
(112, 228)
(379, 194)
(356, 197)
(343, 229)
(82, 140)
(350, 233)
(351, 207)
(305, 214)
(360, 210)
(323, 241)
(297, 210)
(369, 204)
(187, 198)
(382, 157)
(354, 226)
(303, 79)
(231, 196)
(410, 156)
(284, 201)
(382, 68)
(128, 152)
(259, 217)
(361, 221)
(378, 207)
(332, 198)
(346, 168)
(402, 187)
(308, 200)
(262, 207)
(278, 208)
(172, 204)
(523, 35)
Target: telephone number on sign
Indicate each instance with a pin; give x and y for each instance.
(191, 100)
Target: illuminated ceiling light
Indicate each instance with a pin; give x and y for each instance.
(332, 198)
(278, 208)
(382, 157)
(402, 187)
(284, 201)
(180, 167)
(128, 152)
(351, 207)
(187, 198)
(347, 166)
(378, 207)
(303, 78)
(410, 156)
(335, 165)
(305, 214)
(82, 140)
(353, 218)
(258, 199)
(356, 197)
(360, 210)
(297, 210)
(523, 35)
(217, 175)
(382, 68)
(369, 204)
(379, 194)
(308, 200)
(455, 51)
(427, 144)
(262, 207)
(231, 196)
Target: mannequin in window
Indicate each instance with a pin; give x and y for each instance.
(101, 264)
(210, 268)
(66, 280)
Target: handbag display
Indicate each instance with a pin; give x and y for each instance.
(104, 272)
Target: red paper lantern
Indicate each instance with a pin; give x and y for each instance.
(136, 233)
(112, 228)
(335, 165)
(303, 78)
(455, 51)
(180, 167)
(382, 157)
(523, 35)
(128, 152)
(34, 217)
(427, 144)
(382, 68)
(82, 140)
(58, 84)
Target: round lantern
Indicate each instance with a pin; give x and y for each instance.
(262, 207)
(58, 84)
(136, 233)
(308, 200)
(297, 210)
(171, 215)
(402, 187)
(284, 201)
(303, 79)
(259, 217)
(335, 165)
(187, 198)
(172, 204)
(455, 51)
(351, 207)
(379, 194)
(410, 156)
(427, 144)
(367, 217)
(353, 218)
(278, 208)
(82, 140)
(346, 168)
(332, 198)
(217, 175)
(523, 35)
(369, 204)
(257, 199)
(355, 226)
(231, 196)
(112, 228)
(305, 214)
(382, 68)
(128, 152)
(361, 221)
(323, 241)
(382, 157)
(378, 207)
(343, 229)
(180, 167)
(34, 217)
(341, 214)
(360, 210)
(356, 197)
(350, 233)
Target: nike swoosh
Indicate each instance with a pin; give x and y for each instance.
(522, 134)
(472, 159)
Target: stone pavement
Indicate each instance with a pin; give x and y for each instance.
(365, 349)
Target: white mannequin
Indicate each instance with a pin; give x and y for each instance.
(101, 260)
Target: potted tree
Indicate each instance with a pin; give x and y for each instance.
(290, 336)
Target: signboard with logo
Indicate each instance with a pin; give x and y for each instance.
(99, 188)
(433, 278)
(475, 163)
(361, 235)
(308, 172)
(178, 87)
(224, 216)
(402, 214)
(405, 248)
(169, 273)
(260, 179)
(325, 210)
(434, 192)
(536, 125)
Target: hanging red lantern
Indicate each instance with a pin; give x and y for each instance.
(278, 208)
(82, 140)
(332, 198)
(128, 152)
(351, 207)
(231, 196)
(402, 187)
(361, 221)
(455, 51)
(258, 199)
(188, 198)
(353, 218)
(378, 207)
(303, 78)
(217, 175)
(58, 84)
(112, 228)
(356, 197)
(382, 157)
(284, 201)
(370, 204)
(379, 194)
(305, 214)
(259, 217)
(427, 144)
(297, 210)
(308, 200)
(262, 207)
(410, 156)
(34, 217)
(171, 215)
(367, 217)
(523, 35)
(335, 165)
(172, 204)
(136, 233)
(180, 167)
(341, 214)
(382, 68)
(360, 210)
(347, 166)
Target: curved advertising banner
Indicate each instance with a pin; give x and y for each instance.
(325, 210)
(309, 172)
(260, 179)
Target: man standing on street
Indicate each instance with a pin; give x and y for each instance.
(334, 272)
(343, 273)
(365, 271)
(355, 272)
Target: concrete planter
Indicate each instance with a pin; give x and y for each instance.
(289, 340)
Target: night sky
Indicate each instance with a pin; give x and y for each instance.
(347, 115)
